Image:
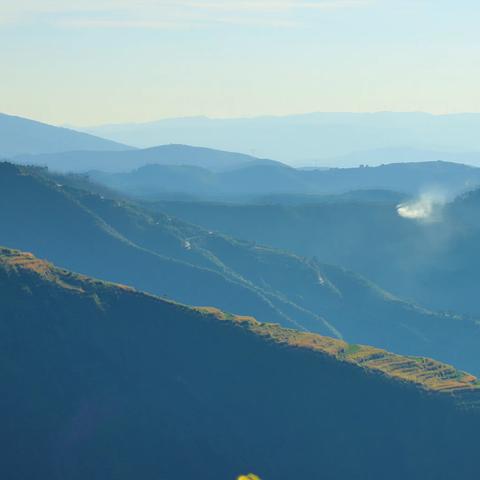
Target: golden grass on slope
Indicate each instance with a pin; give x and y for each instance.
(425, 372)
(28, 261)
(16, 260)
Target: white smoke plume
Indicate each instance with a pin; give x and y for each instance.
(427, 207)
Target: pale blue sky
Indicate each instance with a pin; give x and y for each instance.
(88, 62)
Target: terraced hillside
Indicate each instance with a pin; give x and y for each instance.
(428, 374)
(103, 382)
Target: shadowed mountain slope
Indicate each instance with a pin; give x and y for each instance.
(23, 136)
(102, 382)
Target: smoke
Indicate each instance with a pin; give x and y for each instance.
(427, 207)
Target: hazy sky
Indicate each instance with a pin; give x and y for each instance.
(88, 62)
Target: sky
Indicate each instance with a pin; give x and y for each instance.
(90, 62)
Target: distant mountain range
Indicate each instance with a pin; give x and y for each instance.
(19, 136)
(100, 381)
(318, 138)
(169, 170)
(269, 178)
(332, 140)
(117, 240)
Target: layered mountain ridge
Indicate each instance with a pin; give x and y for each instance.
(117, 240)
(317, 137)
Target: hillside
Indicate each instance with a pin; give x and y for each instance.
(20, 136)
(258, 180)
(117, 240)
(125, 161)
(431, 261)
(44, 217)
(103, 382)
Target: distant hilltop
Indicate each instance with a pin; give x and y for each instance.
(20, 136)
